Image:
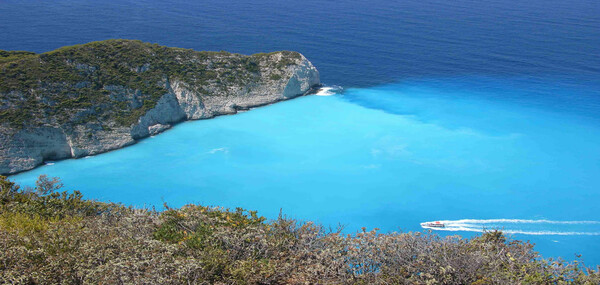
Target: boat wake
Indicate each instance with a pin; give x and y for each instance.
(329, 90)
(518, 226)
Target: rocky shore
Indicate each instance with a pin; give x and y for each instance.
(95, 114)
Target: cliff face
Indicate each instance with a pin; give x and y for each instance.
(96, 110)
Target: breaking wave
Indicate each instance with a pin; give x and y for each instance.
(520, 226)
(329, 90)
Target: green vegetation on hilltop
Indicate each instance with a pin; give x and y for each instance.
(7, 56)
(112, 80)
(52, 237)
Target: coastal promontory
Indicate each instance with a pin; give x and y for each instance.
(87, 99)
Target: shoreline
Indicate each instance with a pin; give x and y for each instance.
(237, 109)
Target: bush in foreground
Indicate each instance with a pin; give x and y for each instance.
(52, 237)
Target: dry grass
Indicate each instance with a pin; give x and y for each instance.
(51, 237)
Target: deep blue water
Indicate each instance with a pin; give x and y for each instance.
(452, 110)
(352, 42)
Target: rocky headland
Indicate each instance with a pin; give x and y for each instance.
(88, 99)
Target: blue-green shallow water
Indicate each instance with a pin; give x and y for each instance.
(388, 157)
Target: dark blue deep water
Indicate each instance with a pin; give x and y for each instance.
(484, 114)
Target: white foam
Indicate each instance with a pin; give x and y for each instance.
(329, 90)
(221, 149)
(49, 163)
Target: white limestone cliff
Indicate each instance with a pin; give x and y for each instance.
(27, 148)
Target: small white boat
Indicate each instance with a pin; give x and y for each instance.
(436, 224)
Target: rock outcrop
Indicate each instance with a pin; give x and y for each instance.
(95, 128)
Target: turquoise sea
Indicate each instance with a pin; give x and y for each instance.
(483, 114)
(388, 157)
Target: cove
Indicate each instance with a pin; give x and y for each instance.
(389, 157)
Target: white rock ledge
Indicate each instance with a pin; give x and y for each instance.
(25, 149)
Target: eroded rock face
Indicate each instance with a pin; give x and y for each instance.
(25, 148)
(303, 78)
(167, 111)
(188, 101)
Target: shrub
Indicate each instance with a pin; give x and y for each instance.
(53, 237)
(70, 80)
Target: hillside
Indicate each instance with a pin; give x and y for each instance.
(53, 237)
(87, 99)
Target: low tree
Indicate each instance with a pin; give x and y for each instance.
(45, 185)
